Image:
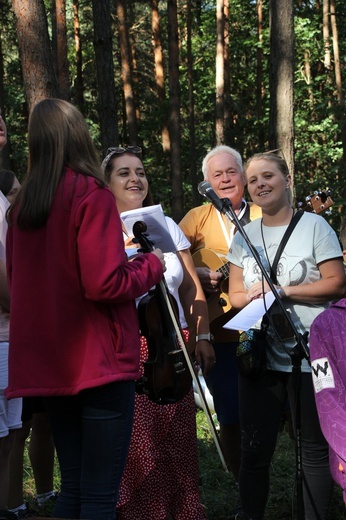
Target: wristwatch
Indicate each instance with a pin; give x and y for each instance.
(208, 337)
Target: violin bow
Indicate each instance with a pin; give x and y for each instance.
(197, 383)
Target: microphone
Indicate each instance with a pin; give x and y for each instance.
(207, 191)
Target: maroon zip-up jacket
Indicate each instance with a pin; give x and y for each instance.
(73, 317)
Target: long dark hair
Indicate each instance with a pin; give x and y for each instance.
(6, 181)
(58, 138)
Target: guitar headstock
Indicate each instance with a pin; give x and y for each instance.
(317, 202)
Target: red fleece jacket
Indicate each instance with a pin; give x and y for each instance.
(73, 317)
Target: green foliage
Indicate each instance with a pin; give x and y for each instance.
(319, 158)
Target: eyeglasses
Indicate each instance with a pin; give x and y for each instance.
(125, 149)
(136, 150)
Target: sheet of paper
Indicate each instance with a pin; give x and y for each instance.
(155, 220)
(247, 317)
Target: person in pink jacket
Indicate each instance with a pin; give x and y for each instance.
(74, 334)
(328, 363)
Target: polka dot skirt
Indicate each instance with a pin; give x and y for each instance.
(161, 473)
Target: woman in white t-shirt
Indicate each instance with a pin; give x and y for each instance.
(309, 274)
(161, 473)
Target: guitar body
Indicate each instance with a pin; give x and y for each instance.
(219, 307)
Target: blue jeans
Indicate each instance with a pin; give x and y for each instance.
(92, 432)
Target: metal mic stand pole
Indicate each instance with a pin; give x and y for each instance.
(299, 352)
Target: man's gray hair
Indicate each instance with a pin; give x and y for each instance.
(217, 151)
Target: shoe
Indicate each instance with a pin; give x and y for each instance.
(232, 515)
(242, 516)
(46, 508)
(26, 513)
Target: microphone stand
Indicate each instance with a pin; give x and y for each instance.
(297, 354)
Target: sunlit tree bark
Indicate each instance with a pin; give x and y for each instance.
(126, 71)
(34, 50)
(192, 133)
(259, 78)
(59, 44)
(174, 109)
(281, 122)
(159, 72)
(219, 75)
(78, 82)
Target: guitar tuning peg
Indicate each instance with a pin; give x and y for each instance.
(329, 211)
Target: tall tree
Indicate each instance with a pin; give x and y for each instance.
(174, 105)
(34, 50)
(159, 72)
(59, 45)
(192, 133)
(281, 121)
(338, 77)
(103, 45)
(126, 71)
(4, 154)
(259, 77)
(220, 71)
(227, 116)
(78, 83)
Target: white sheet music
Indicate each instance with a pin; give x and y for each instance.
(155, 220)
(247, 317)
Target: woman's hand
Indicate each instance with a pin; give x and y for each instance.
(257, 290)
(205, 356)
(157, 252)
(210, 280)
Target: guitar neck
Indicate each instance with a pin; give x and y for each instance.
(224, 270)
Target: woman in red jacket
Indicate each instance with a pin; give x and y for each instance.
(73, 333)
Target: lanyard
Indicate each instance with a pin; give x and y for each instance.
(228, 232)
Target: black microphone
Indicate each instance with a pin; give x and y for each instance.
(207, 191)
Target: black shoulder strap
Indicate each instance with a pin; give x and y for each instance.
(294, 221)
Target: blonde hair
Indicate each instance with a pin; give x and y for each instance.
(280, 163)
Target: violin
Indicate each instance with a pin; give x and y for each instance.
(166, 378)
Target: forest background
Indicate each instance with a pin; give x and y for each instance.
(179, 77)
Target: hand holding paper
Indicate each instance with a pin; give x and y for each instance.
(157, 228)
(247, 317)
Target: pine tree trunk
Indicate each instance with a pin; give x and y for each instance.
(219, 76)
(34, 50)
(126, 71)
(105, 74)
(192, 133)
(78, 82)
(174, 107)
(60, 48)
(281, 80)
